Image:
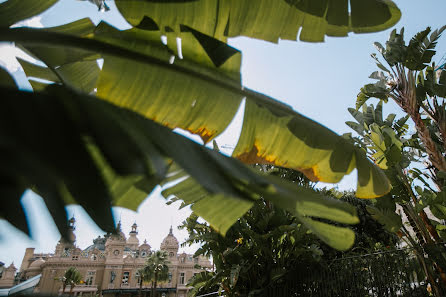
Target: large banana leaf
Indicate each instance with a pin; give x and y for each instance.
(173, 99)
(58, 56)
(13, 11)
(125, 154)
(272, 132)
(70, 147)
(304, 203)
(202, 97)
(265, 19)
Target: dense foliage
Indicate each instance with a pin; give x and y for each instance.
(71, 278)
(413, 161)
(156, 269)
(268, 246)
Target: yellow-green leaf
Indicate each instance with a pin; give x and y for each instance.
(13, 11)
(170, 98)
(268, 19)
(340, 238)
(288, 139)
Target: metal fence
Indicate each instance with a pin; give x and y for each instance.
(395, 273)
(385, 274)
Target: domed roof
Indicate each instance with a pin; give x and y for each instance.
(98, 243)
(37, 264)
(170, 241)
(133, 240)
(145, 245)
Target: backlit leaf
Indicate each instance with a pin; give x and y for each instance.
(284, 132)
(13, 11)
(267, 20)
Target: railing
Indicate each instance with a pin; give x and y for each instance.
(385, 274)
(218, 293)
(394, 273)
(80, 288)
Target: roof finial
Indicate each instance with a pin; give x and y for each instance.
(171, 230)
(71, 223)
(134, 228)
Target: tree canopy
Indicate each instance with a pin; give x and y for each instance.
(414, 162)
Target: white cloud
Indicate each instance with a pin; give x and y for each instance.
(8, 51)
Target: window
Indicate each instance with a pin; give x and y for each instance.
(94, 257)
(89, 281)
(75, 258)
(182, 259)
(66, 253)
(170, 277)
(182, 278)
(196, 260)
(171, 254)
(125, 277)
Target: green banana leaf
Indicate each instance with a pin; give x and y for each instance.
(98, 141)
(196, 87)
(222, 211)
(13, 11)
(203, 99)
(265, 19)
(389, 219)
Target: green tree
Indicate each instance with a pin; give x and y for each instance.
(268, 246)
(258, 250)
(103, 136)
(71, 278)
(143, 276)
(414, 162)
(156, 269)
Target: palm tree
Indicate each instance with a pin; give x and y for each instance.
(156, 269)
(143, 277)
(71, 277)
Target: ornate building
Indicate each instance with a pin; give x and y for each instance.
(109, 266)
(7, 275)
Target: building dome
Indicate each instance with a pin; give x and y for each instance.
(133, 240)
(98, 243)
(170, 241)
(37, 264)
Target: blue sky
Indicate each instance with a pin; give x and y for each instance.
(318, 80)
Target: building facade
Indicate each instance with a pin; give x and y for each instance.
(109, 266)
(7, 275)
